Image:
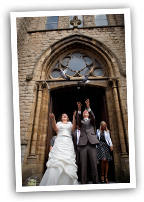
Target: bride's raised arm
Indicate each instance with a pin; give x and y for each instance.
(54, 125)
(74, 121)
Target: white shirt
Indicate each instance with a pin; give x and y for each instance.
(78, 136)
(85, 119)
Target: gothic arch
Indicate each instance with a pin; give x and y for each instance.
(77, 41)
(92, 45)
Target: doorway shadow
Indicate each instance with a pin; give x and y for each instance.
(64, 101)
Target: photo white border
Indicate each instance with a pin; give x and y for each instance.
(19, 187)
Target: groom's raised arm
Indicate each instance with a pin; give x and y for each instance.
(92, 116)
(79, 114)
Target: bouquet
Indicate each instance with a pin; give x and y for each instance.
(31, 181)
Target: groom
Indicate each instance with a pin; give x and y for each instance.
(87, 142)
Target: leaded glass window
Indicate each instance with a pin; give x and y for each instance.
(78, 64)
(98, 72)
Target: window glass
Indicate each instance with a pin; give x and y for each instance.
(101, 20)
(85, 71)
(52, 19)
(65, 61)
(51, 26)
(88, 60)
(55, 74)
(100, 17)
(98, 72)
(76, 64)
(69, 72)
(52, 22)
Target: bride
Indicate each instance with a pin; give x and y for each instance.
(61, 167)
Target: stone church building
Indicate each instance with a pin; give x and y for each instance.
(92, 45)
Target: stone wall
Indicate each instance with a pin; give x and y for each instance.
(64, 22)
(115, 19)
(88, 20)
(38, 23)
(22, 26)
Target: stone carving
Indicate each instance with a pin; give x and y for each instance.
(113, 82)
(44, 85)
(75, 22)
(29, 77)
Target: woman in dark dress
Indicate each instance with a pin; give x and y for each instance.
(103, 150)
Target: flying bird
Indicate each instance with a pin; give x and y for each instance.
(84, 79)
(62, 73)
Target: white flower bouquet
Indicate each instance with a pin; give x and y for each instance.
(31, 181)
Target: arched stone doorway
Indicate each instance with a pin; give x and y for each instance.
(45, 97)
(63, 100)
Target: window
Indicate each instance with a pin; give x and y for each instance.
(101, 20)
(77, 64)
(79, 18)
(52, 22)
(98, 72)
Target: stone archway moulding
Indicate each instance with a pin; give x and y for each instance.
(56, 49)
(81, 41)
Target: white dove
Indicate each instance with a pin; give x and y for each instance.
(84, 79)
(62, 73)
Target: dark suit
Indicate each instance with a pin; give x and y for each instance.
(87, 144)
(77, 151)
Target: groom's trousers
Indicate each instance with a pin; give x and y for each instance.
(88, 151)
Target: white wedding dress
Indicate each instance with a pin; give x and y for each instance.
(61, 166)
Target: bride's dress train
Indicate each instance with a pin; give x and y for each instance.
(61, 166)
